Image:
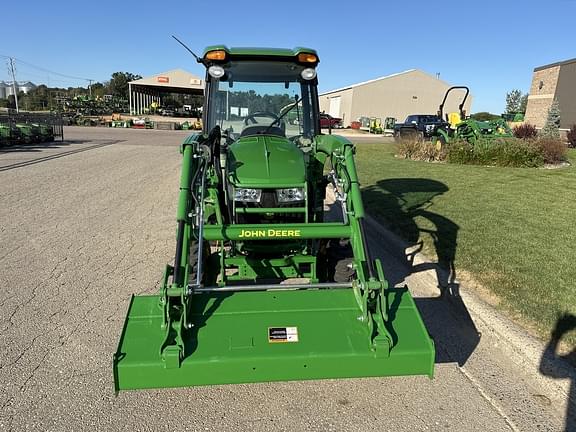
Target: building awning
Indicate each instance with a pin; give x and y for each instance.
(146, 90)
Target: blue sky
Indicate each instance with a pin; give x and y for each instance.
(490, 46)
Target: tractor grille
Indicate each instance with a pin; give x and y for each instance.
(268, 199)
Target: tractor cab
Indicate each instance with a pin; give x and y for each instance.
(261, 92)
(264, 102)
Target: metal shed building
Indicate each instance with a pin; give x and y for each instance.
(146, 90)
(397, 95)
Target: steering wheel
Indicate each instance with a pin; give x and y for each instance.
(260, 114)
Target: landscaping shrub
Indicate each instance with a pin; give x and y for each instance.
(572, 137)
(420, 150)
(518, 153)
(525, 131)
(461, 152)
(508, 152)
(553, 150)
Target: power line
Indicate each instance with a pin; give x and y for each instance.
(46, 70)
(28, 76)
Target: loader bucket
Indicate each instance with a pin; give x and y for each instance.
(274, 335)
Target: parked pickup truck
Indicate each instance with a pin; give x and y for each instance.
(327, 121)
(419, 125)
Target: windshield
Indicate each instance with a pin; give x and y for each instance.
(262, 98)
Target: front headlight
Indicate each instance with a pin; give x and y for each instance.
(290, 195)
(308, 74)
(216, 71)
(247, 195)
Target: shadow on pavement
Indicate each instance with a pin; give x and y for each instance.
(399, 203)
(34, 147)
(51, 155)
(38, 147)
(559, 366)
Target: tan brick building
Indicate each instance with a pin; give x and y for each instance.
(553, 81)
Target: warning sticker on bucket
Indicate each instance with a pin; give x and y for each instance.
(282, 334)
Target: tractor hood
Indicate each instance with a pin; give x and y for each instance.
(263, 160)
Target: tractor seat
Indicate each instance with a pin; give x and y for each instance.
(259, 130)
(454, 118)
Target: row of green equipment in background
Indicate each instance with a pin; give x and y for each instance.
(118, 121)
(92, 106)
(146, 123)
(25, 133)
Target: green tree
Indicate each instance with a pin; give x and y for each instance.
(98, 89)
(514, 101)
(38, 98)
(11, 101)
(484, 116)
(523, 103)
(118, 85)
(552, 127)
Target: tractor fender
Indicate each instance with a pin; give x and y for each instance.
(331, 144)
(192, 139)
(442, 133)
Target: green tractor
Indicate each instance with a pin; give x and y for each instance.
(266, 284)
(10, 134)
(5, 136)
(27, 133)
(45, 132)
(459, 127)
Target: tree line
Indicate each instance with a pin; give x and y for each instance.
(47, 98)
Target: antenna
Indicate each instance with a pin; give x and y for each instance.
(198, 59)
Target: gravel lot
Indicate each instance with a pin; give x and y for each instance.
(86, 223)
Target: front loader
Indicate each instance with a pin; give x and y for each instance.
(265, 286)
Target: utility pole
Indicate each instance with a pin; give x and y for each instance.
(12, 71)
(90, 86)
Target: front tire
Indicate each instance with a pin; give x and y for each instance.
(440, 143)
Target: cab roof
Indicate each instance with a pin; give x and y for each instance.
(253, 52)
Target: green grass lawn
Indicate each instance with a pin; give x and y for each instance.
(511, 228)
